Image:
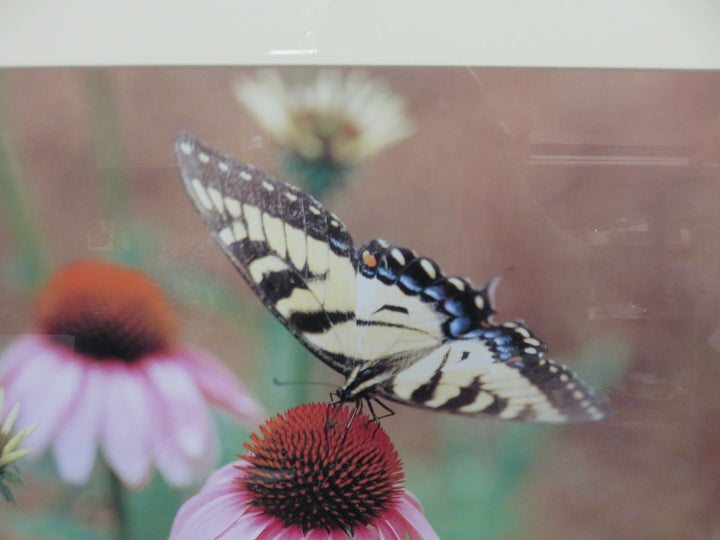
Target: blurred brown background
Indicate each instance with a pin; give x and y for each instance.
(595, 193)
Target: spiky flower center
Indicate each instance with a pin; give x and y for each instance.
(104, 310)
(310, 469)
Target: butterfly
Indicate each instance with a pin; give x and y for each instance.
(387, 319)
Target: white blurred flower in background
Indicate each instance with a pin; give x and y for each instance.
(336, 117)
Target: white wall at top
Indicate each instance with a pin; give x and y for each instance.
(593, 33)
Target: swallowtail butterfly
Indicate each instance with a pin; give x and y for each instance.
(387, 319)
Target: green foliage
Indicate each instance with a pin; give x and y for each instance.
(9, 474)
(318, 177)
(286, 361)
(52, 525)
(469, 492)
(150, 512)
(28, 267)
(110, 162)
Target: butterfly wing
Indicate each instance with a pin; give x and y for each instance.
(462, 377)
(295, 255)
(451, 355)
(431, 308)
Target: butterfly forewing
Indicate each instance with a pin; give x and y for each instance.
(384, 317)
(295, 255)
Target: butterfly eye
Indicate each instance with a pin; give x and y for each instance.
(368, 373)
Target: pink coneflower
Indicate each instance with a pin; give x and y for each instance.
(308, 475)
(103, 369)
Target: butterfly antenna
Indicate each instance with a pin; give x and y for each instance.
(278, 382)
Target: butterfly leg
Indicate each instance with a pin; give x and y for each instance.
(336, 400)
(357, 409)
(388, 411)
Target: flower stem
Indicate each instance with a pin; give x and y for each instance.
(117, 499)
(320, 178)
(109, 155)
(282, 349)
(32, 267)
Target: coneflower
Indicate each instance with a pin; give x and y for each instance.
(310, 473)
(102, 368)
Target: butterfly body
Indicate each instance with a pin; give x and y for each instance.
(387, 319)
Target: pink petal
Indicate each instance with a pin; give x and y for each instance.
(412, 499)
(219, 385)
(251, 525)
(406, 517)
(221, 511)
(222, 482)
(319, 535)
(226, 478)
(126, 429)
(185, 441)
(186, 405)
(274, 531)
(45, 387)
(15, 355)
(75, 444)
(208, 520)
(364, 533)
(387, 532)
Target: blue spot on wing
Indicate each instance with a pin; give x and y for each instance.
(454, 307)
(409, 283)
(436, 292)
(342, 247)
(386, 274)
(458, 326)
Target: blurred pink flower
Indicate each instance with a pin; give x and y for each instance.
(103, 369)
(309, 475)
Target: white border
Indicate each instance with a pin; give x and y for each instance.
(560, 33)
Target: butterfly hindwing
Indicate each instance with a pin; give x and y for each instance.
(462, 377)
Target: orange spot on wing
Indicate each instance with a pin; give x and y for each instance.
(369, 260)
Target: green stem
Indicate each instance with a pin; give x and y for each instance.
(319, 178)
(117, 499)
(283, 358)
(32, 265)
(109, 156)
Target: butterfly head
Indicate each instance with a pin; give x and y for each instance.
(361, 382)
